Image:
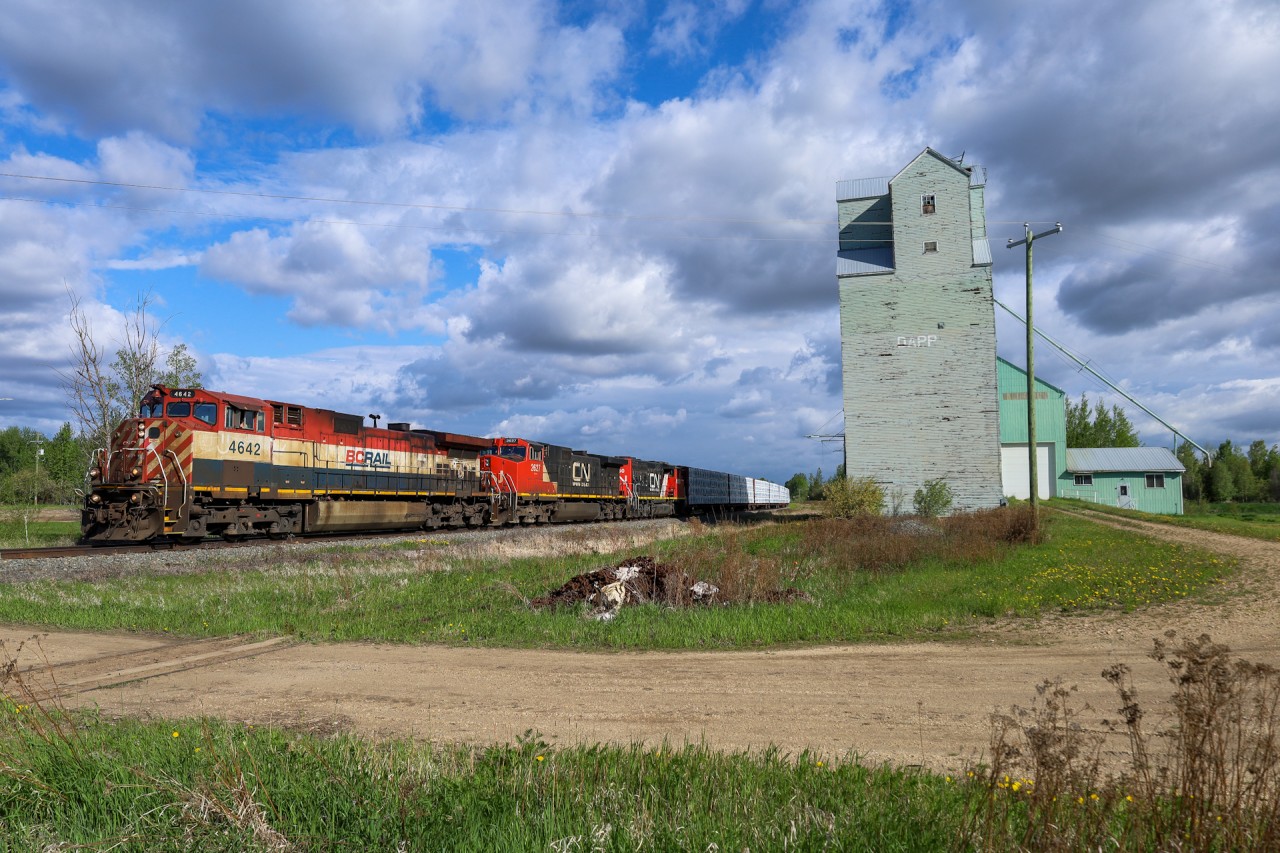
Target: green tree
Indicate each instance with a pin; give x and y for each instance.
(1264, 461)
(799, 486)
(1193, 481)
(180, 370)
(1098, 426)
(1221, 485)
(816, 484)
(1231, 478)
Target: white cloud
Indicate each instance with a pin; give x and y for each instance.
(698, 295)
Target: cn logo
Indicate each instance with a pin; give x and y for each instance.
(653, 482)
(581, 472)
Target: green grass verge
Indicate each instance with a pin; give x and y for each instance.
(77, 781)
(863, 583)
(1255, 521)
(19, 530)
(207, 785)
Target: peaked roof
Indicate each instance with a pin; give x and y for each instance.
(968, 173)
(1039, 381)
(1094, 460)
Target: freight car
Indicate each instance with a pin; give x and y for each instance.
(195, 463)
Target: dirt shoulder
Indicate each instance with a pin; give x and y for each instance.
(914, 703)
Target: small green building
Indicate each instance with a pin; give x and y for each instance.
(1142, 478)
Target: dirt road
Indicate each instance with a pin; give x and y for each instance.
(914, 703)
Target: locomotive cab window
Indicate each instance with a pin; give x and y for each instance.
(243, 419)
(513, 452)
(151, 410)
(178, 410)
(207, 412)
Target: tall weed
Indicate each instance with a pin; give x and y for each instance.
(1206, 779)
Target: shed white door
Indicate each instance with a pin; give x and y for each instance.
(1015, 476)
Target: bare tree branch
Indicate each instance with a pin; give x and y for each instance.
(91, 388)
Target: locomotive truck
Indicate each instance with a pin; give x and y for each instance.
(196, 463)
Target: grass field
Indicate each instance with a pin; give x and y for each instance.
(873, 580)
(1254, 520)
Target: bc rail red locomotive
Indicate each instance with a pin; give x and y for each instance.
(195, 463)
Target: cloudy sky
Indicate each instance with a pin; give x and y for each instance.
(612, 224)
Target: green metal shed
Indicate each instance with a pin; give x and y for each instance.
(1142, 478)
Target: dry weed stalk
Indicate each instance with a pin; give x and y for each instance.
(1207, 779)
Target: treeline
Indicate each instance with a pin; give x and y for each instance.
(1235, 475)
(54, 480)
(811, 487)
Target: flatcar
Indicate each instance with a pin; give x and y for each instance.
(196, 463)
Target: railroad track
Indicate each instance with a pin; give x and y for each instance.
(101, 550)
(259, 541)
(140, 547)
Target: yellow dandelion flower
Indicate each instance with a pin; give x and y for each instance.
(1016, 786)
(1093, 796)
(541, 757)
(197, 749)
(819, 764)
(175, 733)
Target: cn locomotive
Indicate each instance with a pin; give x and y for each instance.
(195, 463)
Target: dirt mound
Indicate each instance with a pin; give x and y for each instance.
(640, 580)
(633, 581)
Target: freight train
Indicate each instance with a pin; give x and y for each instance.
(197, 463)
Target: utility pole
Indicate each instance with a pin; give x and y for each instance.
(1031, 372)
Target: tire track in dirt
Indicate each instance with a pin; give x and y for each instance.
(55, 678)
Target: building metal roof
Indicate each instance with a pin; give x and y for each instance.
(861, 188)
(865, 261)
(1094, 460)
(981, 252)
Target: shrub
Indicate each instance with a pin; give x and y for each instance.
(932, 499)
(848, 497)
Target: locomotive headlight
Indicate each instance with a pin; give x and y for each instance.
(95, 473)
(142, 430)
(135, 498)
(135, 472)
(95, 498)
